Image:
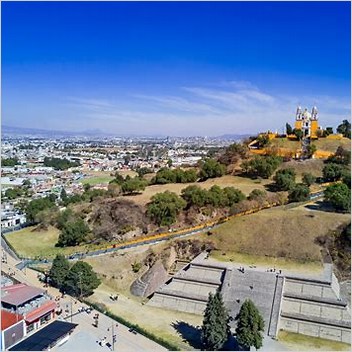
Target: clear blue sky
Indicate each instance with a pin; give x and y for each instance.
(173, 68)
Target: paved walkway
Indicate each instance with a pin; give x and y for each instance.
(85, 336)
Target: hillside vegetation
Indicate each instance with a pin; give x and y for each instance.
(277, 232)
(330, 145)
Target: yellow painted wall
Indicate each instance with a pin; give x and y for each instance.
(322, 154)
(314, 128)
(298, 125)
(337, 136)
(319, 154)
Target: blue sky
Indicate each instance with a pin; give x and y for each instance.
(173, 68)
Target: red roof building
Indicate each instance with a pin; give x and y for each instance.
(31, 303)
(13, 329)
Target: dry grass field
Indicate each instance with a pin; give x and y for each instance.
(281, 232)
(124, 173)
(159, 321)
(285, 143)
(246, 185)
(116, 269)
(313, 166)
(330, 145)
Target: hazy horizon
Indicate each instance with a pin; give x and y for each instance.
(177, 69)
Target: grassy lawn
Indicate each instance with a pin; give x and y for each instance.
(158, 321)
(246, 185)
(280, 232)
(31, 243)
(97, 180)
(301, 342)
(285, 143)
(331, 145)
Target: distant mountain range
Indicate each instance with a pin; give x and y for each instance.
(36, 131)
(25, 131)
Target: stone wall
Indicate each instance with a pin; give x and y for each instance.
(316, 330)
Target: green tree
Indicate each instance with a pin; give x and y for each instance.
(216, 197)
(86, 187)
(73, 233)
(215, 328)
(64, 217)
(329, 130)
(60, 164)
(164, 176)
(332, 172)
(308, 179)
(194, 196)
(169, 163)
(285, 179)
(339, 195)
(59, 270)
(263, 141)
(13, 193)
(346, 179)
(141, 171)
(63, 195)
(345, 129)
(81, 280)
(341, 156)
(298, 133)
(250, 326)
(289, 129)
(261, 166)
(311, 149)
(164, 208)
(299, 193)
(133, 185)
(257, 194)
(233, 153)
(233, 196)
(37, 205)
(11, 162)
(210, 168)
(26, 183)
(118, 179)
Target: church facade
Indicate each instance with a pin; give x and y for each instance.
(307, 122)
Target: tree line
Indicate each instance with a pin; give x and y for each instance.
(60, 164)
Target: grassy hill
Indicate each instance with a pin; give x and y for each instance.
(285, 143)
(246, 185)
(286, 232)
(330, 145)
(30, 242)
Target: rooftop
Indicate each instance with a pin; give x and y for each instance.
(19, 294)
(8, 319)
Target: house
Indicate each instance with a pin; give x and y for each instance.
(13, 329)
(32, 303)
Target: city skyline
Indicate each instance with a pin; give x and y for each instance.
(174, 69)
